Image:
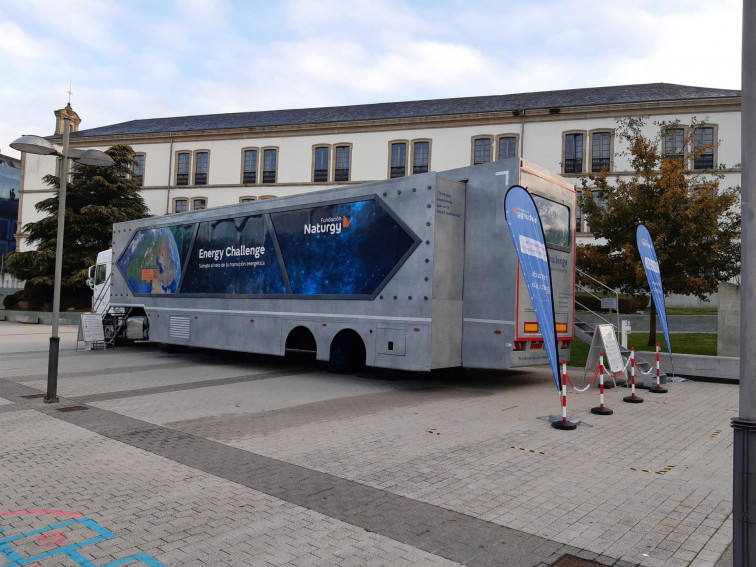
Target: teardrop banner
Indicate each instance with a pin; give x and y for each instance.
(653, 275)
(527, 234)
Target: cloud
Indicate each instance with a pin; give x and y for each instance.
(20, 48)
(144, 59)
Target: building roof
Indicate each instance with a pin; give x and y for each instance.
(10, 161)
(628, 94)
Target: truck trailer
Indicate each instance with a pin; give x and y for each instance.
(415, 273)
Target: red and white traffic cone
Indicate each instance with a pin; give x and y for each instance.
(601, 409)
(658, 389)
(632, 398)
(564, 423)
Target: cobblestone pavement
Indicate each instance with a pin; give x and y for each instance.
(210, 458)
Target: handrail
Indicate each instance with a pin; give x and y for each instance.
(102, 295)
(589, 292)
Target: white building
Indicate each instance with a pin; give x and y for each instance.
(194, 162)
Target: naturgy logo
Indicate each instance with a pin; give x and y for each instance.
(524, 215)
(328, 225)
(645, 243)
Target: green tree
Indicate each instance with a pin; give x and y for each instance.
(96, 197)
(695, 224)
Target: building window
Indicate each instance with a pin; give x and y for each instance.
(342, 163)
(200, 168)
(270, 165)
(704, 147)
(573, 153)
(138, 172)
(674, 143)
(263, 197)
(398, 159)
(199, 203)
(481, 150)
(420, 157)
(247, 199)
(321, 164)
(601, 147)
(507, 147)
(249, 173)
(182, 168)
(180, 205)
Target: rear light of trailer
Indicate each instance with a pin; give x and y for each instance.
(531, 327)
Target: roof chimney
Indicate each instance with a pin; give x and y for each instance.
(66, 112)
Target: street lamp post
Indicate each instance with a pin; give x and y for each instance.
(41, 146)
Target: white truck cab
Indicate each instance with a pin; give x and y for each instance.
(99, 281)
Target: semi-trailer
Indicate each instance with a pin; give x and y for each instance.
(414, 273)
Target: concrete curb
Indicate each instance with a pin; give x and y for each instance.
(695, 366)
(44, 317)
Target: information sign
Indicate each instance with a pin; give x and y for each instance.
(605, 341)
(91, 329)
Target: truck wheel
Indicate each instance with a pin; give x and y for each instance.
(347, 353)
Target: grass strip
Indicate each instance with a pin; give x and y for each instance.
(682, 343)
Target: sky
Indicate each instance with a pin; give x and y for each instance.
(132, 59)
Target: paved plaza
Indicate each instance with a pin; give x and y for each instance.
(216, 458)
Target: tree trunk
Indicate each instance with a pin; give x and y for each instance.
(652, 325)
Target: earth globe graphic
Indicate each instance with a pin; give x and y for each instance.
(152, 253)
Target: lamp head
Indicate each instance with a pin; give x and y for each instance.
(95, 157)
(34, 145)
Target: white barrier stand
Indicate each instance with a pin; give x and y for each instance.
(601, 409)
(564, 422)
(632, 398)
(658, 389)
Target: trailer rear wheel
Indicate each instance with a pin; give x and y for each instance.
(347, 352)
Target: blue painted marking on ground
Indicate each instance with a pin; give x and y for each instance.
(71, 551)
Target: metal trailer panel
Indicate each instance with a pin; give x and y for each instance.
(448, 271)
(489, 280)
(491, 292)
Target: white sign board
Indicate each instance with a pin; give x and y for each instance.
(605, 341)
(90, 328)
(609, 303)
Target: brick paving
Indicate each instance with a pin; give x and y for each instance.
(222, 459)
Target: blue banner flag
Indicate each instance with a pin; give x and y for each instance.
(653, 274)
(527, 233)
